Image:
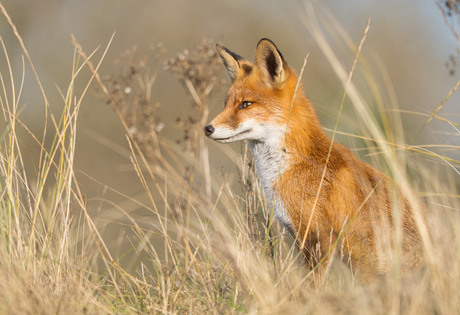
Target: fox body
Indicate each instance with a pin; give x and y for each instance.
(326, 197)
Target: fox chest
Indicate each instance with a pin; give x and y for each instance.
(270, 165)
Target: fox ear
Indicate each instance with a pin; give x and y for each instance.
(231, 61)
(271, 62)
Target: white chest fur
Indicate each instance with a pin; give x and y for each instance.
(270, 165)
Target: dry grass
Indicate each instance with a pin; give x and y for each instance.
(207, 245)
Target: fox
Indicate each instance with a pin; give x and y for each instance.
(331, 202)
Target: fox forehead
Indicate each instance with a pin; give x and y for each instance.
(239, 93)
(248, 88)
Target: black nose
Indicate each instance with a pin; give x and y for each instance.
(208, 130)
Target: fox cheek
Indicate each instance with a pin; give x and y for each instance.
(234, 122)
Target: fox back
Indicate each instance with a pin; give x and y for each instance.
(326, 197)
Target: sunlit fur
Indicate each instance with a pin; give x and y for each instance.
(351, 211)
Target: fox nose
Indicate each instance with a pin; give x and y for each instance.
(209, 130)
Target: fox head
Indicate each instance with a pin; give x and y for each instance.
(259, 100)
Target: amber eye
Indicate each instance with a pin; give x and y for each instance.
(244, 104)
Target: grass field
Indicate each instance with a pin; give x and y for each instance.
(199, 239)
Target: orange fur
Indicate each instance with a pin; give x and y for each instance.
(350, 209)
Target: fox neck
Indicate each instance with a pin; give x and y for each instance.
(270, 165)
(300, 138)
(305, 139)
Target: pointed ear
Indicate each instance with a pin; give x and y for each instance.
(231, 61)
(271, 62)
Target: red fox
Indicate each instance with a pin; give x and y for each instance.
(329, 204)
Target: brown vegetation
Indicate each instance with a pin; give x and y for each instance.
(202, 243)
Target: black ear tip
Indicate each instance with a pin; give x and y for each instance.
(266, 40)
(220, 48)
(267, 44)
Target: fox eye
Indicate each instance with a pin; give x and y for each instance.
(244, 104)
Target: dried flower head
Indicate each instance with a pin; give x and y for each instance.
(130, 90)
(200, 66)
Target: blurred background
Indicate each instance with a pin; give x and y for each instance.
(409, 39)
